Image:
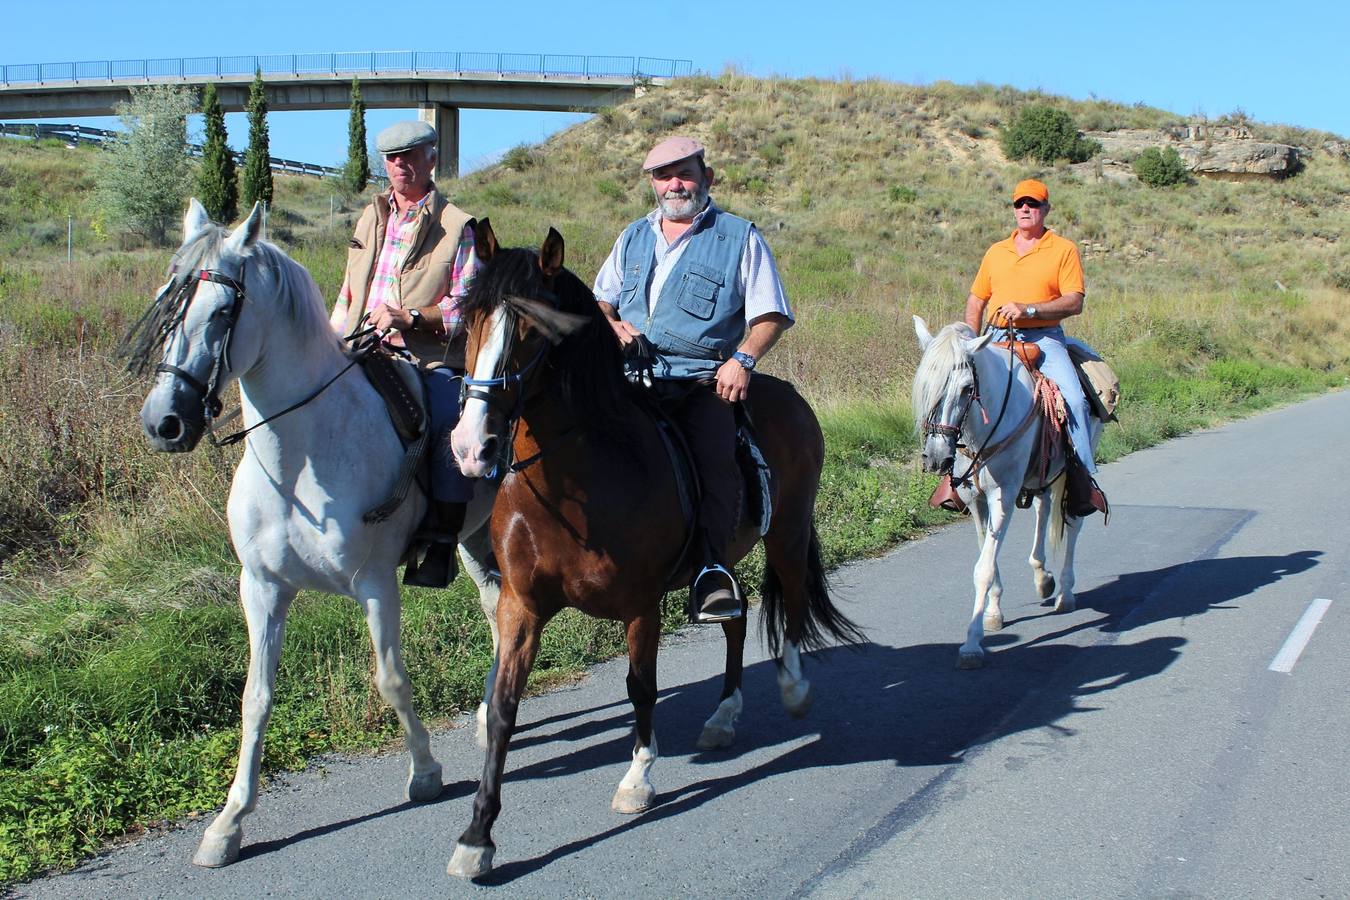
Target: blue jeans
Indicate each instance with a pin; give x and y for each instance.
(1058, 367)
(448, 484)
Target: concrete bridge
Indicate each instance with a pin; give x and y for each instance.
(436, 84)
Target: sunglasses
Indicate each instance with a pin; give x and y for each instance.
(1027, 201)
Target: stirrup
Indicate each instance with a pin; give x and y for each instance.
(721, 604)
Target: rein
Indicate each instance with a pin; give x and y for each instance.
(210, 391)
(982, 456)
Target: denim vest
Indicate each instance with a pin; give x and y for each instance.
(700, 316)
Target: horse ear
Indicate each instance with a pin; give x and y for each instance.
(551, 254)
(246, 234)
(484, 240)
(196, 218)
(921, 329)
(975, 345)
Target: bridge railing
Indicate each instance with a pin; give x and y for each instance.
(83, 134)
(375, 62)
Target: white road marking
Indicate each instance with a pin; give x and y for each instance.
(1299, 637)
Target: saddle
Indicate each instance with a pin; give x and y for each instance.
(399, 384)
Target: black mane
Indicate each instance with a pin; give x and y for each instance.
(586, 365)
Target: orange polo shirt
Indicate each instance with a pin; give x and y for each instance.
(1048, 271)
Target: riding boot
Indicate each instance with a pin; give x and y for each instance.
(437, 568)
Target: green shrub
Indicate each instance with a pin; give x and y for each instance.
(901, 194)
(1161, 168)
(518, 158)
(1046, 134)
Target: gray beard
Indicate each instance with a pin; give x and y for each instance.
(683, 209)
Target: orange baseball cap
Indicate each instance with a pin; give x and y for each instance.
(1031, 188)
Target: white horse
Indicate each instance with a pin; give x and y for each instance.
(958, 374)
(237, 307)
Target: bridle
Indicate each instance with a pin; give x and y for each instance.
(209, 391)
(482, 389)
(953, 430)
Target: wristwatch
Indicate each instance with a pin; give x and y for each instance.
(1031, 312)
(416, 315)
(745, 359)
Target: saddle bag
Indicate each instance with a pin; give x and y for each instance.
(1100, 383)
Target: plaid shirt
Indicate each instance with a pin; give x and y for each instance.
(384, 278)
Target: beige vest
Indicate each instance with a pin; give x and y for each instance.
(424, 277)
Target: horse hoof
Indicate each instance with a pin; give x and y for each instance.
(470, 862)
(797, 700)
(481, 737)
(1047, 587)
(216, 851)
(634, 800)
(1065, 605)
(715, 737)
(425, 787)
(993, 623)
(970, 661)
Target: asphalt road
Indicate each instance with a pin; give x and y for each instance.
(1139, 747)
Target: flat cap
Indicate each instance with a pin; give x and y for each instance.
(404, 136)
(671, 150)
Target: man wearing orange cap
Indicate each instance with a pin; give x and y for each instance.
(701, 286)
(1026, 286)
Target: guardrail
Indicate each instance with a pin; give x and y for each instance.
(366, 62)
(83, 134)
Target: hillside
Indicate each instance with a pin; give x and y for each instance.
(121, 647)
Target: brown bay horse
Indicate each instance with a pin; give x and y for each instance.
(590, 514)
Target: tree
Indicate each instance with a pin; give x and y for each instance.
(356, 174)
(217, 185)
(144, 176)
(1046, 134)
(257, 165)
(1161, 168)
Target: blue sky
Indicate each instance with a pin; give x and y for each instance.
(1278, 64)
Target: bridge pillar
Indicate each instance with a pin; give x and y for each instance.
(445, 119)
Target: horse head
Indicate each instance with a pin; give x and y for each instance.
(193, 326)
(945, 388)
(513, 314)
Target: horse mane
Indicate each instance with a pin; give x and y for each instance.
(945, 354)
(297, 297)
(586, 358)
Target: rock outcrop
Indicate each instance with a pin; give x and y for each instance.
(1226, 152)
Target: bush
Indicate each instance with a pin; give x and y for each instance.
(518, 158)
(1161, 168)
(1046, 134)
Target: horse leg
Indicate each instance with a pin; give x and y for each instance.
(265, 605)
(475, 551)
(520, 630)
(720, 729)
(635, 792)
(1043, 579)
(382, 607)
(971, 655)
(1066, 602)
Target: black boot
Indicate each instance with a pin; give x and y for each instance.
(437, 568)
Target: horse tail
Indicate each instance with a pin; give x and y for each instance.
(822, 620)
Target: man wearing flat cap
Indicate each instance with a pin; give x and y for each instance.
(701, 286)
(1026, 286)
(408, 265)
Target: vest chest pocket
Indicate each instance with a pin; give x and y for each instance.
(698, 293)
(631, 282)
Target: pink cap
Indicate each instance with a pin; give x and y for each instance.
(671, 150)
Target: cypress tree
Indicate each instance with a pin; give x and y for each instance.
(257, 170)
(217, 186)
(356, 174)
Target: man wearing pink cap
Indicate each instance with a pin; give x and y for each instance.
(700, 285)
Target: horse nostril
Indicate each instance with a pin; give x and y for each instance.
(489, 448)
(170, 428)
